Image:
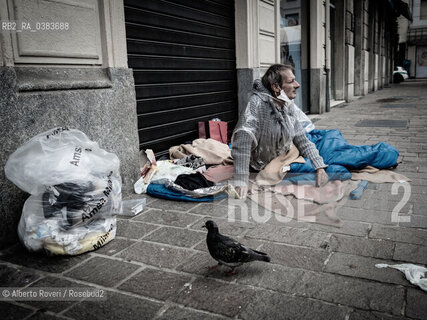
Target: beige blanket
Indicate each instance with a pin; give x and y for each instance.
(375, 175)
(212, 151)
(275, 171)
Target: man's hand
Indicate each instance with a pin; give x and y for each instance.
(321, 177)
(242, 191)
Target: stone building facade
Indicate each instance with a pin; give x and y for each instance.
(413, 40)
(71, 70)
(340, 49)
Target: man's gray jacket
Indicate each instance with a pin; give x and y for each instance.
(266, 130)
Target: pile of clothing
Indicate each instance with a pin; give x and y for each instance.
(194, 173)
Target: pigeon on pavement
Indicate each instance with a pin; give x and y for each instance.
(228, 251)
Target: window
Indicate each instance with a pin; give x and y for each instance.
(291, 20)
(290, 40)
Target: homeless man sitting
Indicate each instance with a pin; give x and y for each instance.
(268, 126)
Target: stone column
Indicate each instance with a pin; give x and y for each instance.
(359, 53)
(412, 55)
(349, 51)
(371, 45)
(340, 49)
(317, 57)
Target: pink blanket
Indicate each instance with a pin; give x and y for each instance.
(304, 202)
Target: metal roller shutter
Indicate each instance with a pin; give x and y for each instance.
(182, 53)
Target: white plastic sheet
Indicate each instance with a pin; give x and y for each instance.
(415, 274)
(271, 128)
(166, 170)
(305, 121)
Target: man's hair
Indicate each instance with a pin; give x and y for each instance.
(272, 75)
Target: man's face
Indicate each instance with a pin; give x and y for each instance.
(289, 84)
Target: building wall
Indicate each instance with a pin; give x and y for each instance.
(75, 77)
(419, 14)
(373, 44)
(257, 42)
(361, 47)
(358, 63)
(416, 39)
(403, 25)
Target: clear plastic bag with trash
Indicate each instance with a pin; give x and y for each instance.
(75, 189)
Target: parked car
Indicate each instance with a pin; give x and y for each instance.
(399, 75)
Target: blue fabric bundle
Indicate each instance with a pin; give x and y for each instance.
(342, 157)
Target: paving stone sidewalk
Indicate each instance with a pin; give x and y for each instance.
(156, 268)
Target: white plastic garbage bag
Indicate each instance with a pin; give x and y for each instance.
(415, 274)
(75, 188)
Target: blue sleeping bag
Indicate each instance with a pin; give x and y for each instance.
(342, 157)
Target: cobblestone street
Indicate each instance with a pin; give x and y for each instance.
(156, 268)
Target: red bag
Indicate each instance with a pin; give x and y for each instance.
(216, 130)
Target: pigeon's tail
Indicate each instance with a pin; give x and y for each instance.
(261, 256)
(264, 258)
